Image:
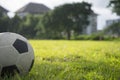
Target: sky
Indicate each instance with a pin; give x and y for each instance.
(98, 6)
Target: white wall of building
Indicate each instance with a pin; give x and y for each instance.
(92, 27)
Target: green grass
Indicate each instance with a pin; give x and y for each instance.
(74, 60)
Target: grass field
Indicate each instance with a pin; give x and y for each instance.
(74, 60)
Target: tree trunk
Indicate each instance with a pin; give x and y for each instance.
(68, 35)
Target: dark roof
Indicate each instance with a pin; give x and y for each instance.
(33, 8)
(3, 9)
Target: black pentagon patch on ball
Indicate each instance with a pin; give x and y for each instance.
(20, 46)
(9, 71)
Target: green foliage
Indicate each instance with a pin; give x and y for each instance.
(90, 37)
(74, 60)
(115, 4)
(25, 26)
(55, 24)
(82, 37)
(68, 17)
(15, 23)
(42, 27)
(28, 26)
(4, 22)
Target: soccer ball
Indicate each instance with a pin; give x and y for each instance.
(16, 54)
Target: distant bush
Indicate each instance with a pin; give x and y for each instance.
(89, 37)
(82, 37)
(95, 37)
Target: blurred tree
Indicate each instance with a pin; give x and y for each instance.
(28, 25)
(47, 27)
(4, 22)
(15, 24)
(41, 30)
(68, 17)
(115, 4)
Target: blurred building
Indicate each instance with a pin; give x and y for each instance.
(32, 8)
(112, 21)
(92, 27)
(3, 11)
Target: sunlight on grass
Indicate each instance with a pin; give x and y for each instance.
(74, 60)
